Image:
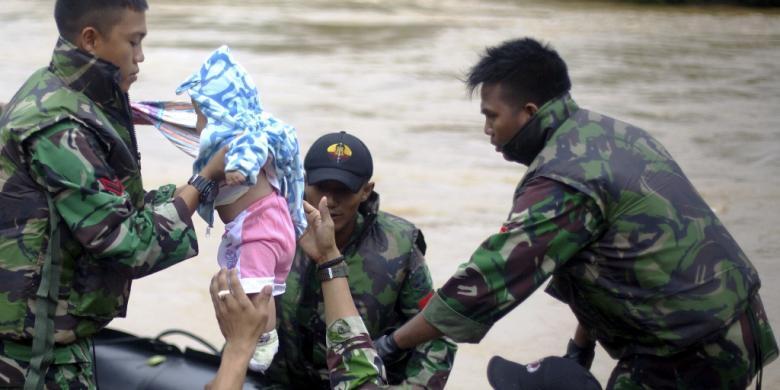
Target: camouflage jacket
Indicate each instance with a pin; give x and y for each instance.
(67, 134)
(390, 283)
(634, 250)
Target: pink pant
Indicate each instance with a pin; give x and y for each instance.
(260, 243)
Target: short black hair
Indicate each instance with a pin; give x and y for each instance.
(527, 71)
(72, 16)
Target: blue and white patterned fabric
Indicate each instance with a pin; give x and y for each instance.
(228, 97)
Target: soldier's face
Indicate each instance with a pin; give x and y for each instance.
(502, 120)
(342, 202)
(121, 45)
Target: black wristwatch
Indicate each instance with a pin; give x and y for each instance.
(340, 270)
(208, 188)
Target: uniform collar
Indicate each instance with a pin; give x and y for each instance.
(366, 216)
(88, 74)
(531, 138)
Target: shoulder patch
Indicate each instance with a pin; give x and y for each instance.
(424, 301)
(113, 186)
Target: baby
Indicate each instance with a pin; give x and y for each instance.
(261, 200)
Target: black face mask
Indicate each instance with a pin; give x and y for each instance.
(527, 143)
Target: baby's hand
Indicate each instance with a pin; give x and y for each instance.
(234, 177)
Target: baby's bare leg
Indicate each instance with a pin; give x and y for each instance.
(271, 324)
(268, 344)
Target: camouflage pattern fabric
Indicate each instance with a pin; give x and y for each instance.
(352, 360)
(644, 263)
(390, 283)
(73, 367)
(726, 363)
(68, 132)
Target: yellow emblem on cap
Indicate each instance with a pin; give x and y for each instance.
(339, 151)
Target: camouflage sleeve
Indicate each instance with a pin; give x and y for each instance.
(549, 223)
(352, 360)
(417, 287)
(164, 194)
(97, 210)
(430, 364)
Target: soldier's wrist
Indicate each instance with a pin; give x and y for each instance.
(238, 350)
(330, 254)
(332, 269)
(583, 344)
(583, 355)
(388, 349)
(206, 174)
(330, 263)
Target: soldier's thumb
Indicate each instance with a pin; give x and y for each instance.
(263, 298)
(324, 211)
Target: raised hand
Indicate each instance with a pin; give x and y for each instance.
(319, 239)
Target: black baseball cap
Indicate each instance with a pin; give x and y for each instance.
(550, 373)
(341, 157)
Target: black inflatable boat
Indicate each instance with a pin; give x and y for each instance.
(126, 361)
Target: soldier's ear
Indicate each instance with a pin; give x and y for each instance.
(366, 191)
(88, 40)
(530, 108)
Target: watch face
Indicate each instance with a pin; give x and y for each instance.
(337, 271)
(192, 180)
(207, 188)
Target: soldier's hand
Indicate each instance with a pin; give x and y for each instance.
(241, 320)
(582, 355)
(215, 168)
(319, 239)
(388, 349)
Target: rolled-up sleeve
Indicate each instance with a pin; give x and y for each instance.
(550, 222)
(430, 363)
(352, 360)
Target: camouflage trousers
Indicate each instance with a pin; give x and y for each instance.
(729, 362)
(75, 372)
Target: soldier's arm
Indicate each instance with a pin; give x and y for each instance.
(352, 360)
(430, 364)
(94, 205)
(550, 222)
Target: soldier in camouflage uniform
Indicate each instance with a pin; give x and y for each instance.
(76, 225)
(644, 263)
(352, 362)
(388, 277)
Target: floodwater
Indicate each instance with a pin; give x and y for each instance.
(704, 80)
